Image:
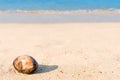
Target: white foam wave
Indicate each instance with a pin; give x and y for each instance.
(80, 11)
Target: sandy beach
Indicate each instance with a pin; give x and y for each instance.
(64, 51)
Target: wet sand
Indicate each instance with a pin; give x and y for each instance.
(58, 18)
(67, 51)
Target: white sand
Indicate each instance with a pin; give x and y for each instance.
(71, 51)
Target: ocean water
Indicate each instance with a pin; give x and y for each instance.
(59, 11)
(59, 4)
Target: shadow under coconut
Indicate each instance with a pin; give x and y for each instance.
(45, 68)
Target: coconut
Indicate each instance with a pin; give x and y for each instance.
(25, 64)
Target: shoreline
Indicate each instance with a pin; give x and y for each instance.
(82, 11)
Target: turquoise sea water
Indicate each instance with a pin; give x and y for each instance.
(58, 4)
